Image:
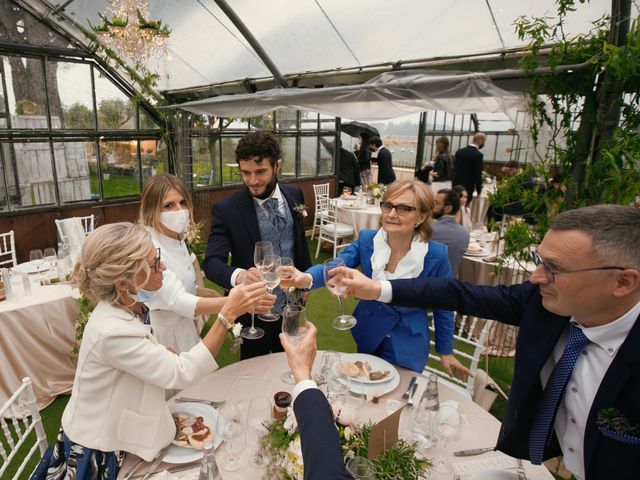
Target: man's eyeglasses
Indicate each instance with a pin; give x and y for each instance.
(400, 209)
(551, 273)
(156, 264)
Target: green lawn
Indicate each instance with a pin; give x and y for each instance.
(322, 307)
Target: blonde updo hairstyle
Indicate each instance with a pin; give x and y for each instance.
(153, 194)
(111, 253)
(425, 203)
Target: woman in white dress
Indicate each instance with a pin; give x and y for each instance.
(176, 312)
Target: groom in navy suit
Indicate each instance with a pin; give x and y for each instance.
(578, 350)
(263, 210)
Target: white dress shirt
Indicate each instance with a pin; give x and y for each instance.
(277, 194)
(584, 382)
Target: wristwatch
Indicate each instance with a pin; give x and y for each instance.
(306, 289)
(224, 321)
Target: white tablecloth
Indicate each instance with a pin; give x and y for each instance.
(361, 218)
(36, 338)
(239, 382)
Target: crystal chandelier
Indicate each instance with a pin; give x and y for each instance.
(128, 29)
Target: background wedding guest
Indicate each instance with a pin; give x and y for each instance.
(467, 168)
(400, 249)
(577, 357)
(363, 153)
(446, 230)
(386, 175)
(263, 210)
(463, 215)
(117, 404)
(442, 165)
(177, 310)
(321, 452)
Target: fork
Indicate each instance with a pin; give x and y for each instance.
(199, 400)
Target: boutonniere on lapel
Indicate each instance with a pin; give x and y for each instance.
(301, 210)
(617, 426)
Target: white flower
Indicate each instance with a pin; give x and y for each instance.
(237, 328)
(348, 433)
(292, 463)
(376, 192)
(291, 423)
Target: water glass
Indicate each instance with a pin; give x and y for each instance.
(361, 468)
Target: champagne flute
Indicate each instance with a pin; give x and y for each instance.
(36, 258)
(270, 276)
(258, 417)
(252, 332)
(294, 320)
(51, 257)
(229, 426)
(342, 322)
(261, 250)
(448, 426)
(286, 272)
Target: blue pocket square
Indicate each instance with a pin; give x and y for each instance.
(620, 437)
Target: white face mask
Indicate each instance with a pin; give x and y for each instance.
(175, 221)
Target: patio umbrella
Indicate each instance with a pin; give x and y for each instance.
(355, 129)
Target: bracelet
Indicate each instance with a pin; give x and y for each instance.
(306, 289)
(224, 321)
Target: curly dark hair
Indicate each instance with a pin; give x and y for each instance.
(262, 144)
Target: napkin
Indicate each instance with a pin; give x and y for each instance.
(497, 461)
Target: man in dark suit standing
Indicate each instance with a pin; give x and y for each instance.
(467, 168)
(263, 210)
(321, 452)
(386, 175)
(577, 356)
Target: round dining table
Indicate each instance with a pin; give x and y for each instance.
(360, 217)
(37, 337)
(239, 382)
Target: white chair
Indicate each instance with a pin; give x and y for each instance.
(8, 250)
(80, 227)
(321, 198)
(333, 231)
(465, 334)
(17, 428)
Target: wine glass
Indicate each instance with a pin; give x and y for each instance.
(229, 426)
(51, 257)
(448, 425)
(338, 383)
(262, 250)
(361, 468)
(252, 332)
(269, 268)
(286, 272)
(294, 320)
(342, 322)
(36, 258)
(258, 417)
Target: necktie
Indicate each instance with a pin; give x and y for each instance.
(545, 418)
(277, 219)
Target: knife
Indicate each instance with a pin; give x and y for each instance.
(156, 461)
(413, 393)
(520, 470)
(199, 400)
(406, 394)
(473, 451)
(174, 469)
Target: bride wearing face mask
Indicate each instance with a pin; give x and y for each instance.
(177, 310)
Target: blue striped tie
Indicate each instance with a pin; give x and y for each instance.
(545, 418)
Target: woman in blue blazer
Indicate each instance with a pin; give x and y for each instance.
(400, 249)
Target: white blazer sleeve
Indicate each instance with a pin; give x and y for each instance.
(172, 296)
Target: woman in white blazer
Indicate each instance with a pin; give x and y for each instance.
(118, 403)
(166, 210)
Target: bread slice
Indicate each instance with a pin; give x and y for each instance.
(196, 440)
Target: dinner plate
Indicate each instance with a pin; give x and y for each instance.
(481, 253)
(353, 207)
(494, 475)
(376, 363)
(29, 267)
(177, 454)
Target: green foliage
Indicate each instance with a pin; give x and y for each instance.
(114, 113)
(78, 116)
(599, 164)
(86, 307)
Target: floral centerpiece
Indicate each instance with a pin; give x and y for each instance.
(376, 190)
(281, 450)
